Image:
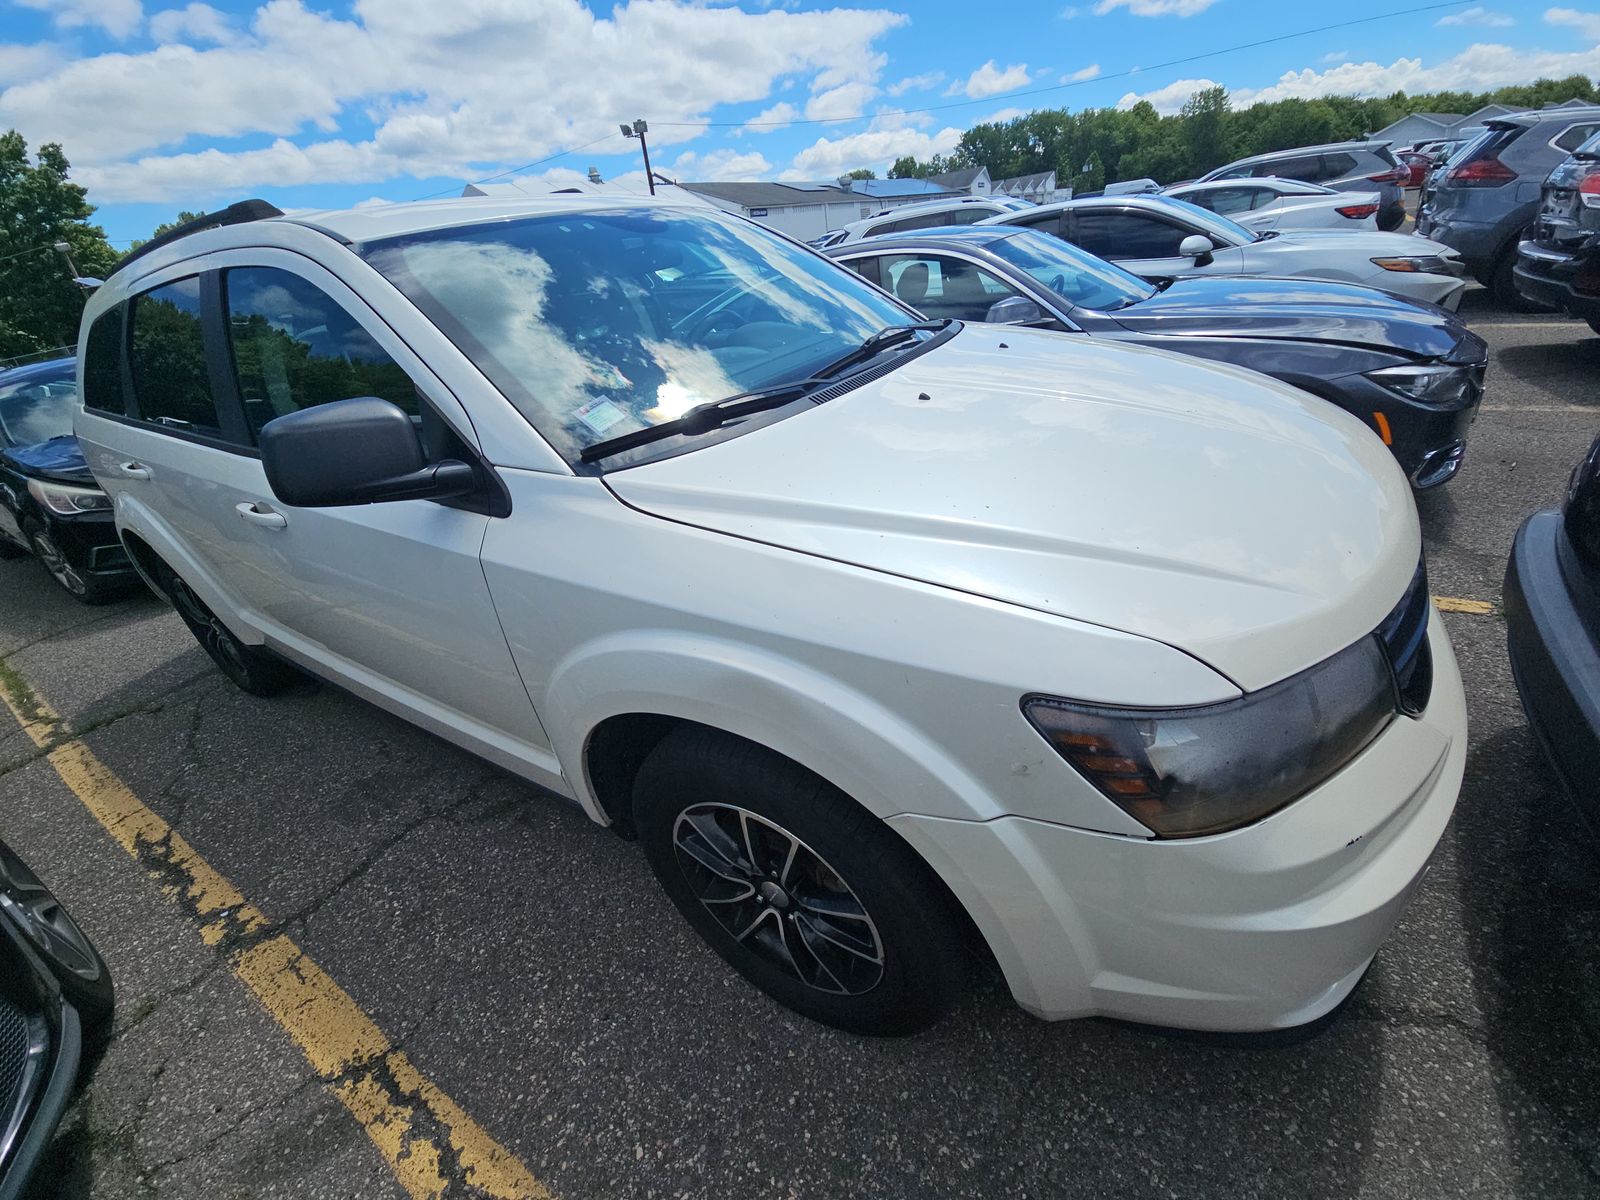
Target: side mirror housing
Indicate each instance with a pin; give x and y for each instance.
(1198, 247)
(1014, 310)
(359, 451)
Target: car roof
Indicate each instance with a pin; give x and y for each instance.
(1299, 150)
(1156, 202)
(949, 237)
(1539, 116)
(922, 206)
(50, 367)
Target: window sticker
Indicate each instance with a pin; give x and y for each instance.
(601, 413)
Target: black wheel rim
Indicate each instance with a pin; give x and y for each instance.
(215, 637)
(779, 898)
(56, 563)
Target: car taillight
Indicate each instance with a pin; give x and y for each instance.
(1357, 212)
(1390, 176)
(1481, 172)
(1589, 189)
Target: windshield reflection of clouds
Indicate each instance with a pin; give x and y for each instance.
(595, 324)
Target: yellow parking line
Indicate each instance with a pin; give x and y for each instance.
(427, 1139)
(1454, 604)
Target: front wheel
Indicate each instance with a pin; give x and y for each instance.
(253, 669)
(80, 585)
(806, 894)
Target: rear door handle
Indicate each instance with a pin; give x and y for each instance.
(260, 514)
(134, 470)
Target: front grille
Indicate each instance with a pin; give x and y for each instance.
(1404, 634)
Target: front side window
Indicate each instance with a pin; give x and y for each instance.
(1112, 234)
(102, 363)
(39, 407)
(295, 347)
(167, 352)
(569, 315)
(940, 286)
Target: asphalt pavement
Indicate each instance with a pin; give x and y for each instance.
(529, 968)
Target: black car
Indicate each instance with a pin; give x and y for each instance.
(1559, 266)
(49, 504)
(1412, 372)
(1552, 601)
(55, 1015)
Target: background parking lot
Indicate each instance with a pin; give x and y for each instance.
(528, 966)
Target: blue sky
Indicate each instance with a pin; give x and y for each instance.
(328, 103)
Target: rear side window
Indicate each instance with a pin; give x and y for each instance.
(102, 364)
(1306, 167)
(167, 352)
(295, 347)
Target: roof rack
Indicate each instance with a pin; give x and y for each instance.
(235, 214)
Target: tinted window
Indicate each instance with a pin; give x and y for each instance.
(295, 347)
(1229, 200)
(1575, 136)
(867, 268)
(1126, 235)
(1048, 223)
(938, 286)
(168, 354)
(1306, 166)
(39, 407)
(102, 363)
(1337, 166)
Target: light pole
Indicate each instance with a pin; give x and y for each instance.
(638, 129)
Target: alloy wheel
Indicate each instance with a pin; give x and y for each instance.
(779, 897)
(215, 637)
(56, 563)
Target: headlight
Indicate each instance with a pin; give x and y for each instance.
(66, 500)
(1186, 772)
(1436, 383)
(1422, 262)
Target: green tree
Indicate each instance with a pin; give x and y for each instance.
(862, 173)
(40, 306)
(182, 218)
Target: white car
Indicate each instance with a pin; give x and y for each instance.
(874, 631)
(1282, 204)
(931, 214)
(1161, 237)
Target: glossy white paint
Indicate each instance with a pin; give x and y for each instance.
(870, 588)
(1285, 208)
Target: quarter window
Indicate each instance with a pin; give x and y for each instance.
(1337, 166)
(295, 347)
(166, 349)
(1575, 136)
(102, 364)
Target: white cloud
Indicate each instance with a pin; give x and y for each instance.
(1586, 23)
(1071, 12)
(989, 80)
(846, 100)
(543, 77)
(120, 18)
(1168, 100)
(1476, 15)
(21, 63)
(766, 120)
(1154, 8)
(1090, 72)
(195, 23)
(720, 166)
(828, 158)
(1335, 56)
(917, 83)
(1477, 68)
(1001, 117)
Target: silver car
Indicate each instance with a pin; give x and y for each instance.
(1343, 166)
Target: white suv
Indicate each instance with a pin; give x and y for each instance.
(930, 214)
(877, 633)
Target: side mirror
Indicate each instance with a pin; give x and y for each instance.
(1014, 310)
(1196, 245)
(359, 451)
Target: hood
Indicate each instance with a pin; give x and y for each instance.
(60, 458)
(1211, 508)
(1308, 310)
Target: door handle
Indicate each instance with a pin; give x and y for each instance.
(134, 470)
(260, 514)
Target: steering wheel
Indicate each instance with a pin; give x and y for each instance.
(1058, 283)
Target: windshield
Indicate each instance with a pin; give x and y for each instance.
(38, 408)
(1071, 273)
(604, 322)
(1231, 232)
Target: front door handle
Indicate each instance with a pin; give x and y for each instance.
(260, 514)
(134, 470)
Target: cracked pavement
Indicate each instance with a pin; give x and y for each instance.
(528, 965)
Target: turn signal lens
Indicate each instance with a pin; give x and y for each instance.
(1186, 772)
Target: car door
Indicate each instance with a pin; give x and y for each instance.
(390, 598)
(1138, 241)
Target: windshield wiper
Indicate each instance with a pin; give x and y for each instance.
(703, 418)
(884, 338)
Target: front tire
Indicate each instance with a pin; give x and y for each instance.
(806, 894)
(81, 586)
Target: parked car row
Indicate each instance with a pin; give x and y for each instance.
(1558, 264)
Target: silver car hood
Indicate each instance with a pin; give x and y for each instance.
(1243, 521)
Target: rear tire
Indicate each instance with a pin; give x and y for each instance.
(806, 894)
(252, 669)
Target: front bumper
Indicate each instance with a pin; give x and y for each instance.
(91, 544)
(1266, 927)
(1430, 287)
(1551, 278)
(1429, 441)
(1552, 627)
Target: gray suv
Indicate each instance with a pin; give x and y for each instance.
(1488, 199)
(1342, 166)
